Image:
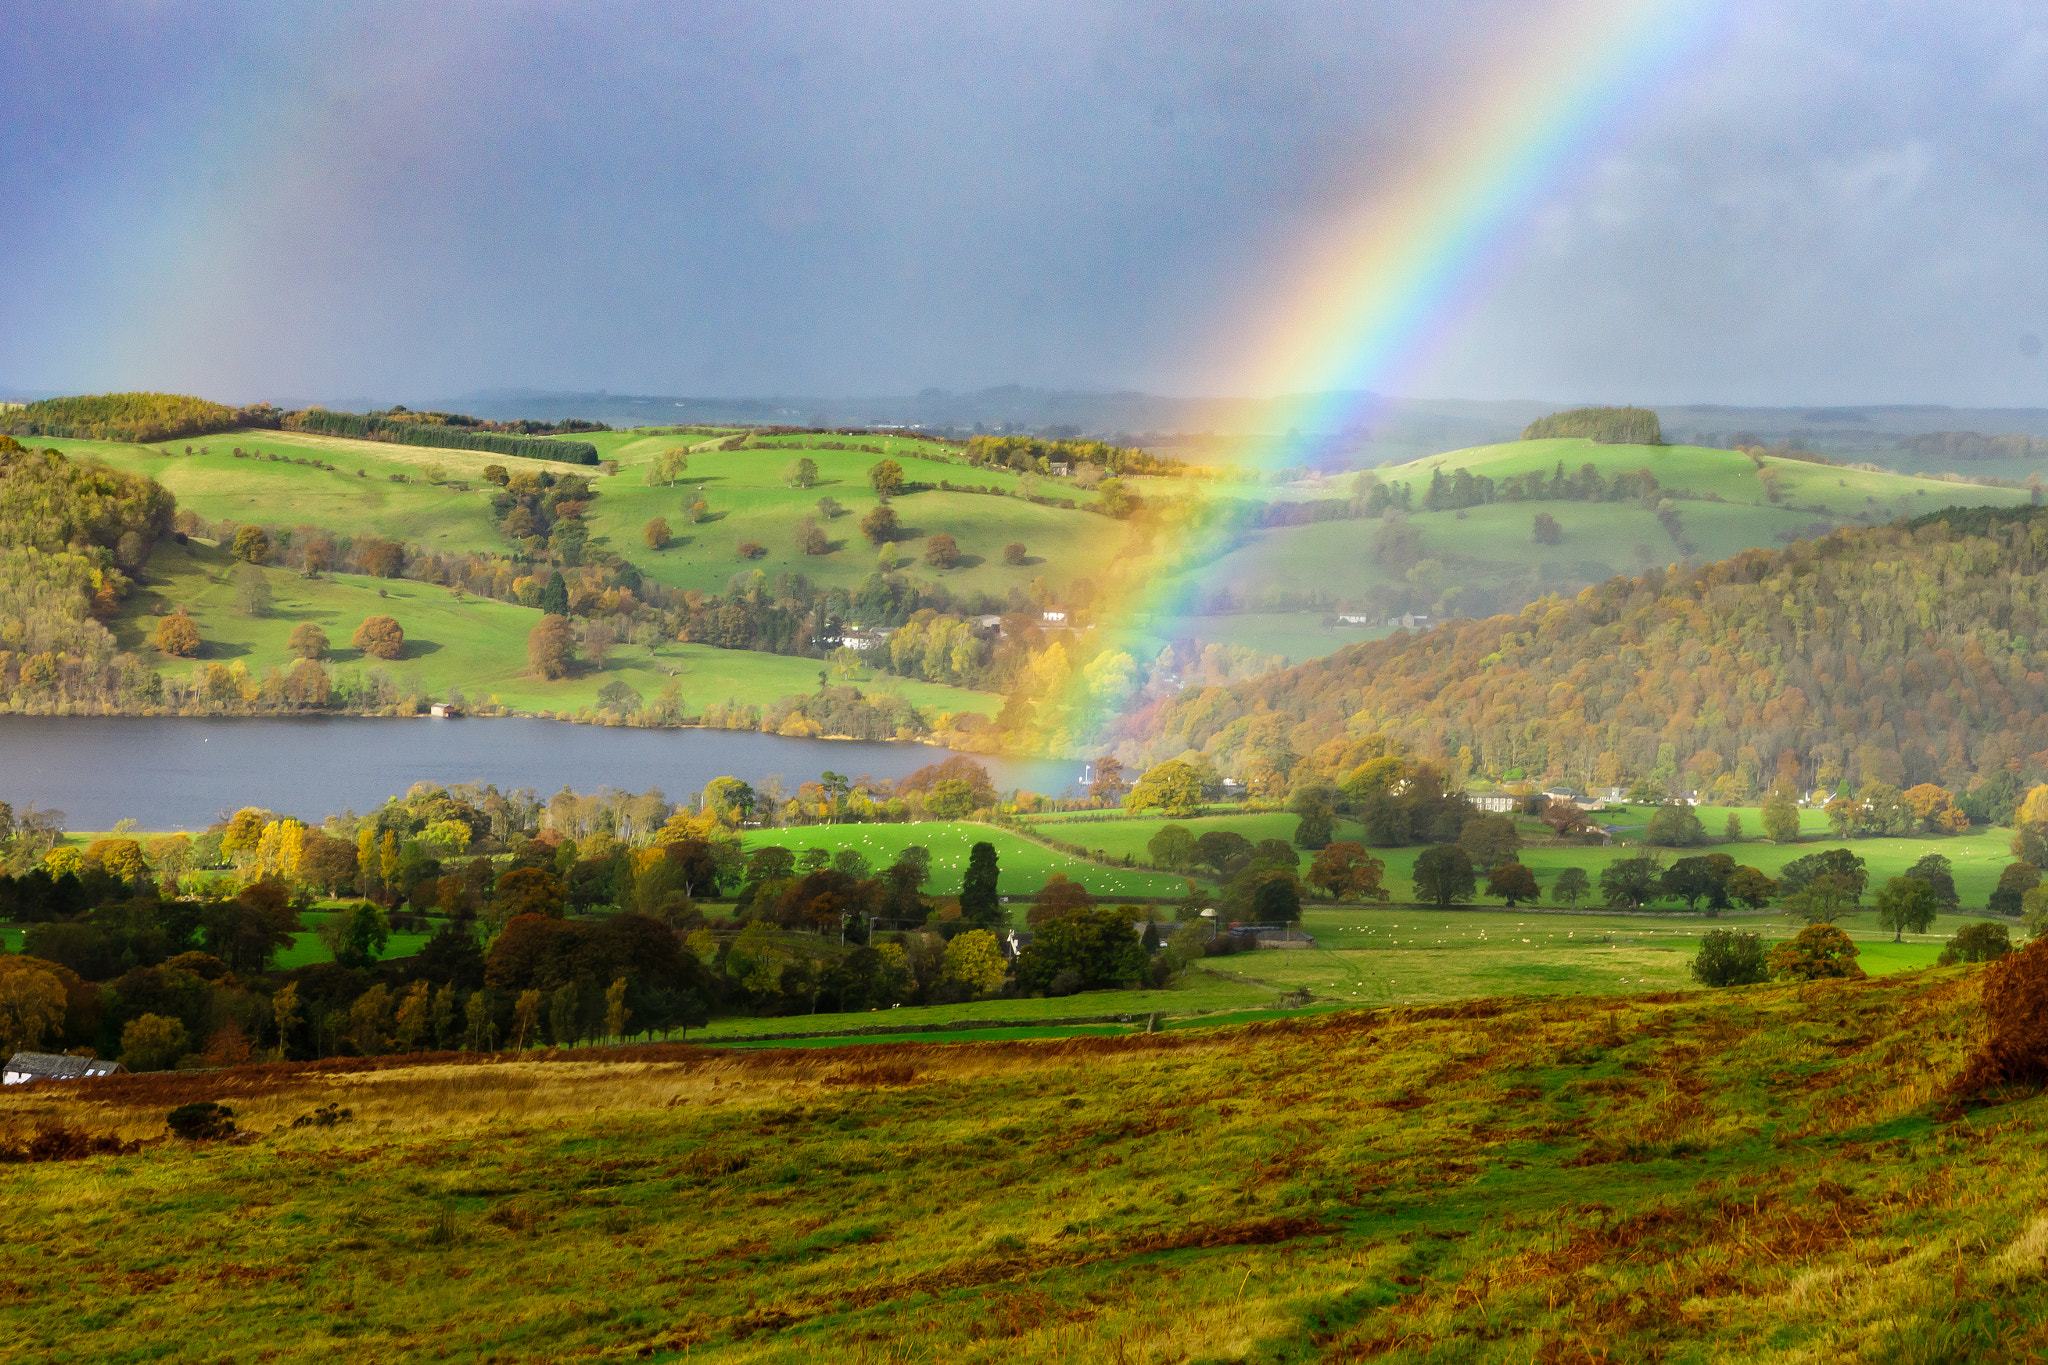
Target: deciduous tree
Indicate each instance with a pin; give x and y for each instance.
(380, 637)
(551, 648)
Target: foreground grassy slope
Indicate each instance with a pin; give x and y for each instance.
(475, 645)
(1761, 1175)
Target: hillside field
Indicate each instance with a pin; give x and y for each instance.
(473, 645)
(1766, 1174)
(1489, 550)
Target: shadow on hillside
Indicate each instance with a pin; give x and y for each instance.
(418, 649)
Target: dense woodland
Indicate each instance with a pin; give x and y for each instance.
(139, 417)
(1609, 426)
(443, 431)
(1904, 655)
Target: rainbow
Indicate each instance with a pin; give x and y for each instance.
(1375, 294)
(1378, 291)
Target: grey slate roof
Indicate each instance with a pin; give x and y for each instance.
(37, 1066)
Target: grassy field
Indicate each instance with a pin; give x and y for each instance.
(1025, 865)
(307, 948)
(1977, 856)
(1766, 1174)
(1490, 547)
(472, 644)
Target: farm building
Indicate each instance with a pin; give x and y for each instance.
(50, 1066)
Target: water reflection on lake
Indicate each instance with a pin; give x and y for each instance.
(182, 773)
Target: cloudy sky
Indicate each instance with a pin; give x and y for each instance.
(1791, 203)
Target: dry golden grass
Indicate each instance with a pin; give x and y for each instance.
(1760, 1175)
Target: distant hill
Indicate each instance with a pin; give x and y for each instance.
(1904, 653)
(133, 417)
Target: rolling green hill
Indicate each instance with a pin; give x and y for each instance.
(1482, 559)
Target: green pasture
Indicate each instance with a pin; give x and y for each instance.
(749, 501)
(307, 948)
(1025, 865)
(1977, 857)
(1491, 547)
(475, 644)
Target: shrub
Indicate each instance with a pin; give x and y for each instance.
(750, 549)
(178, 635)
(201, 1120)
(1982, 941)
(1014, 553)
(1731, 957)
(2016, 999)
(380, 637)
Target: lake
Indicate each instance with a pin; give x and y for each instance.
(184, 773)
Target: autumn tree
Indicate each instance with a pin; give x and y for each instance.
(1014, 554)
(380, 637)
(1108, 786)
(669, 466)
(1817, 952)
(880, 525)
(252, 591)
(1345, 871)
(32, 1004)
(1512, 882)
(551, 648)
(152, 1042)
(1056, 898)
(942, 552)
(1546, 531)
(656, 533)
(308, 640)
(1781, 817)
(252, 545)
(529, 891)
(975, 960)
(886, 478)
(1173, 788)
(177, 635)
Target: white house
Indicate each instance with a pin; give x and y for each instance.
(1056, 615)
(1496, 803)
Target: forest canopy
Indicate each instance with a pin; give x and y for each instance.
(136, 417)
(412, 429)
(1605, 426)
(1901, 654)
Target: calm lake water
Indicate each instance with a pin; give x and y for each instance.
(184, 773)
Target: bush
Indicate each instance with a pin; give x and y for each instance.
(1731, 957)
(750, 549)
(202, 1120)
(1014, 553)
(1983, 941)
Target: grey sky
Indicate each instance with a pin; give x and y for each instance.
(1822, 203)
